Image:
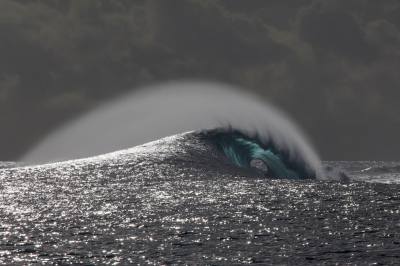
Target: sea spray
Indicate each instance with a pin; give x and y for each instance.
(161, 110)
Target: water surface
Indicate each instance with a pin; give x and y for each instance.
(177, 201)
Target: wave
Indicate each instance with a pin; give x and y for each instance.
(260, 155)
(8, 164)
(385, 169)
(167, 109)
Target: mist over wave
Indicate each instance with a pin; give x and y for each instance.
(170, 108)
(186, 194)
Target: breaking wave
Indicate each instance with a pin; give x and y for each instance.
(250, 132)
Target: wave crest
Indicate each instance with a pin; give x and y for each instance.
(170, 108)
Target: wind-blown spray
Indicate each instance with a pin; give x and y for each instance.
(166, 109)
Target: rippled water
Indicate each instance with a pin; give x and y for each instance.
(177, 201)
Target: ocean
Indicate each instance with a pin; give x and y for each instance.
(179, 201)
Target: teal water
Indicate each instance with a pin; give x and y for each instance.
(243, 151)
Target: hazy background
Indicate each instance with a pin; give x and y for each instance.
(332, 65)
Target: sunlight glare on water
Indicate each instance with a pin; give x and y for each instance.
(179, 206)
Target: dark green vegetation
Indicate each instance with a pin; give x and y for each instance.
(333, 65)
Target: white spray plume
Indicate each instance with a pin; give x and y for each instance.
(170, 108)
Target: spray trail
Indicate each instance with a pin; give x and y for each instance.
(171, 108)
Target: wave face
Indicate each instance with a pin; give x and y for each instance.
(267, 159)
(273, 142)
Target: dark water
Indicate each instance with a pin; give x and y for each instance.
(178, 201)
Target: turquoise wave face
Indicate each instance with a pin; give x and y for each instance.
(250, 153)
